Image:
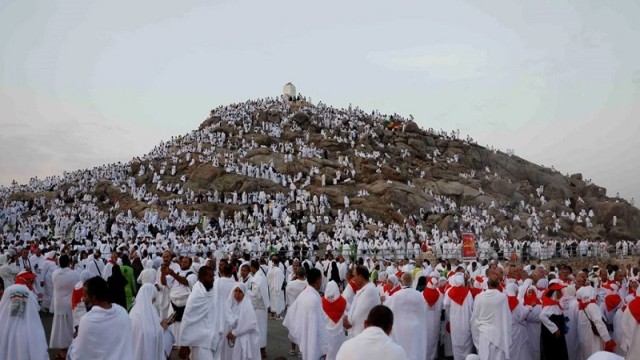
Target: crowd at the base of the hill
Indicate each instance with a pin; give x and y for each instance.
(217, 307)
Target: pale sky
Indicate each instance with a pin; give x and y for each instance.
(84, 83)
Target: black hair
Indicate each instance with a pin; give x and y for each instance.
(97, 286)
(255, 264)
(382, 317)
(202, 272)
(313, 275)
(227, 270)
(125, 260)
(64, 261)
(362, 271)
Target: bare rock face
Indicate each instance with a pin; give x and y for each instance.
(412, 127)
(302, 119)
(628, 218)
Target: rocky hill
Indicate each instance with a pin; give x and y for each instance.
(388, 168)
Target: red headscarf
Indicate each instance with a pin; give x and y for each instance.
(475, 291)
(335, 309)
(531, 299)
(26, 278)
(431, 296)
(458, 294)
(611, 301)
(513, 302)
(634, 308)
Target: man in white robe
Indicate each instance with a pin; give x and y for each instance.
(95, 264)
(409, 313)
(108, 268)
(64, 281)
(491, 323)
(259, 291)
(458, 304)
(305, 320)
(275, 279)
(294, 287)
(37, 262)
(225, 283)
(105, 330)
(365, 299)
(374, 341)
(21, 333)
(46, 283)
(203, 324)
(179, 284)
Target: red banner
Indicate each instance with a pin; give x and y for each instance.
(468, 246)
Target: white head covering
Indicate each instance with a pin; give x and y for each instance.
(147, 333)
(511, 289)
(21, 332)
(457, 280)
(394, 280)
(3, 259)
(432, 283)
(244, 323)
(331, 291)
(148, 264)
(542, 283)
(586, 293)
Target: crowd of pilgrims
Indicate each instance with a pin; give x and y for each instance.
(286, 218)
(136, 306)
(99, 239)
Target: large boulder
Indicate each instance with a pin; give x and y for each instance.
(302, 119)
(450, 188)
(503, 187)
(411, 127)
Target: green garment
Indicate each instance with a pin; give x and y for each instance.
(374, 276)
(130, 288)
